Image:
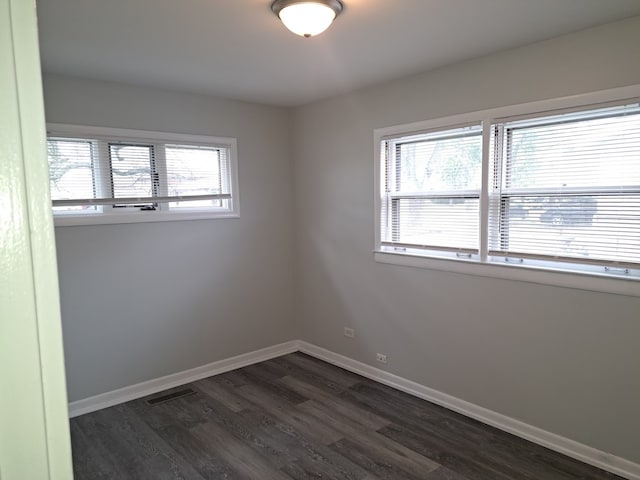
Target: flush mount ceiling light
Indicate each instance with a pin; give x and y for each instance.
(307, 17)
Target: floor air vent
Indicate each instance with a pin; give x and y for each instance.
(170, 396)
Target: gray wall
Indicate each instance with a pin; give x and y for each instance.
(140, 301)
(561, 359)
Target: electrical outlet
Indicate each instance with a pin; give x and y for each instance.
(349, 332)
(381, 357)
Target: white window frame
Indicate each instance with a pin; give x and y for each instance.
(440, 251)
(108, 215)
(546, 273)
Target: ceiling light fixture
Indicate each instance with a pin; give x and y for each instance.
(307, 17)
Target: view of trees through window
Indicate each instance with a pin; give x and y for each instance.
(133, 172)
(562, 187)
(439, 180)
(98, 175)
(71, 172)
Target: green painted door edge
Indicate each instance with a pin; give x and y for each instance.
(34, 428)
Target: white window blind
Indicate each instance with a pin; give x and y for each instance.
(193, 170)
(566, 188)
(551, 186)
(133, 171)
(71, 172)
(102, 175)
(431, 190)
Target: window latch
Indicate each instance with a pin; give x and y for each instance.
(513, 260)
(148, 208)
(621, 270)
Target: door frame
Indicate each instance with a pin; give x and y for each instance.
(34, 425)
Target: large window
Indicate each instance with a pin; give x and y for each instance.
(432, 190)
(567, 188)
(114, 176)
(554, 190)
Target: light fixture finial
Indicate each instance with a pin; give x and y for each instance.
(307, 17)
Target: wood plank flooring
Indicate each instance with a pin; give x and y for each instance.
(296, 417)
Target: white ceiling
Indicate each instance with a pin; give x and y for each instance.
(238, 49)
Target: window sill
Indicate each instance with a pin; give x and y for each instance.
(71, 220)
(543, 276)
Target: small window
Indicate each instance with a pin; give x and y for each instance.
(431, 191)
(133, 173)
(71, 172)
(194, 171)
(111, 176)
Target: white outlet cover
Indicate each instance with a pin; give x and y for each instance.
(381, 357)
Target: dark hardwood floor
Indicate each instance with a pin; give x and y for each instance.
(296, 417)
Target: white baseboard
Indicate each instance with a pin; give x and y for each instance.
(571, 448)
(122, 395)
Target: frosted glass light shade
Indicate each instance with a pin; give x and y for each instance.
(307, 18)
